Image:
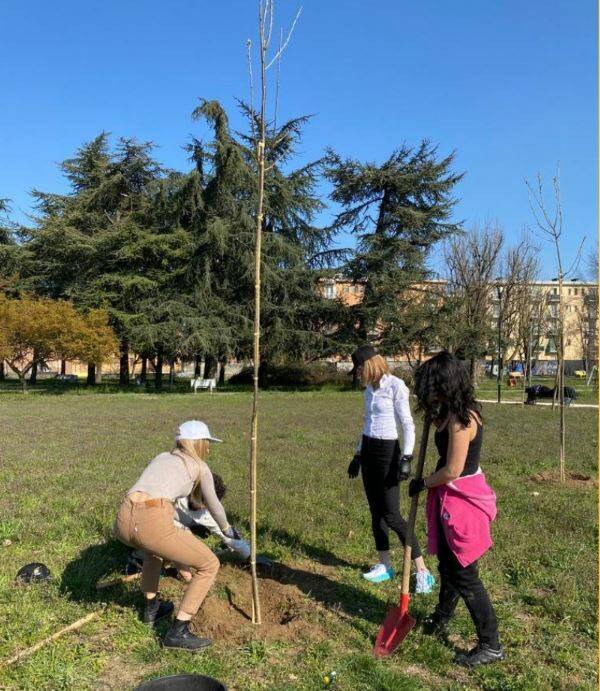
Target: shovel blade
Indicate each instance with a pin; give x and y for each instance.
(395, 628)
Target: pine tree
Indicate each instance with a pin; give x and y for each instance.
(397, 210)
(292, 308)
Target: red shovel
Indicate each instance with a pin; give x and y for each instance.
(398, 622)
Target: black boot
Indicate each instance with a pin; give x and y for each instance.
(437, 624)
(482, 654)
(156, 610)
(179, 636)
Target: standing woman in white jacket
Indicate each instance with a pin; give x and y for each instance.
(382, 463)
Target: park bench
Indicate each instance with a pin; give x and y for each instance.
(199, 383)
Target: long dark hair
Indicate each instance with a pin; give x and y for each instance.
(443, 387)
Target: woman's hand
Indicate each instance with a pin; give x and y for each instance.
(354, 467)
(404, 467)
(416, 486)
(232, 533)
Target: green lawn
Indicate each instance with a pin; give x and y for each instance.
(66, 461)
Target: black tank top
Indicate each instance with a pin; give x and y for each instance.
(442, 438)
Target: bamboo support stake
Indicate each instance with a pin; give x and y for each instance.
(34, 648)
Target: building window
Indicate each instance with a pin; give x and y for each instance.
(330, 292)
(347, 290)
(554, 291)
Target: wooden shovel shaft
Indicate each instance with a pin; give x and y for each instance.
(412, 517)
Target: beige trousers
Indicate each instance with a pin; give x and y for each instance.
(149, 525)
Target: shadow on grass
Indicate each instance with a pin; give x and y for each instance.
(334, 595)
(297, 544)
(94, 564)
(98, 563)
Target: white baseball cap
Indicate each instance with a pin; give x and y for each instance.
(194, 429)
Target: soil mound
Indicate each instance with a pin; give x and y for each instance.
(287, 613)
(571, 479)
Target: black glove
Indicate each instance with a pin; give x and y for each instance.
(416, 486)
(354, 467)
(232, 533)
(404, 467)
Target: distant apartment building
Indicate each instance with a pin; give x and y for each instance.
(581, 319)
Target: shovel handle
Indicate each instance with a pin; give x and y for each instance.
(413, 512)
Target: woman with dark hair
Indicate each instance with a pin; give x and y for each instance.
(460, 503)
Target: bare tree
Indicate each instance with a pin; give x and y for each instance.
(266, 15)
(549, 224)
(472, 264)
(523, 304)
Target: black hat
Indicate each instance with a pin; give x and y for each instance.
(361, 355)
(33, 573)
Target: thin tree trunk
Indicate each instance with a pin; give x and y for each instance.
(222, 365)
(561, 371)
(210, 367)
(2, 371)
(124, 363)
(256, 612)
(91, 374)
(63, 366)
(34, 371)
(144, 372)
(171, 371)
(23, 380)
(473, 371)
(158, 377)
(197, 364)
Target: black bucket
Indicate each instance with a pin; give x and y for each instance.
(183, 682)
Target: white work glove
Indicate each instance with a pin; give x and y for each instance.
(240, 547)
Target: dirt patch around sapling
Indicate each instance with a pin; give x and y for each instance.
(287, 612)
(572, 479)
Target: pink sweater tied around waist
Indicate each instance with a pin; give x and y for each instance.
(465, 508)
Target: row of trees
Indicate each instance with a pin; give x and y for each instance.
(169, 255)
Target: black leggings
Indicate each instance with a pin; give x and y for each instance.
(463, 581)
(379, 460)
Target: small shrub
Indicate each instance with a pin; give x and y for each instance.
(292, 375)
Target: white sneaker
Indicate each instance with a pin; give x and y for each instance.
(379, 573)
(425, 583)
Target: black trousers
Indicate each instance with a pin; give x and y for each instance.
(458, 581)
(379, 460)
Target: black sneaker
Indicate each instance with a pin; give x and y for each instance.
(436, 624)
(156, 610)
(480, 655)
(180, 636)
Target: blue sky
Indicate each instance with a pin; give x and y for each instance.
(511, 86)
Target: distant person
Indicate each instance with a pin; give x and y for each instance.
(146, 521)
(460, 504)
(382, 464)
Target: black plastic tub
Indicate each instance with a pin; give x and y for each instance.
(183, 682)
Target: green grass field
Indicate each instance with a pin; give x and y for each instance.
(66, 461)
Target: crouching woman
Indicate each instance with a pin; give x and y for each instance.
(460, 503)
(146, 521)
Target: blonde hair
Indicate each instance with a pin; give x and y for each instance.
(372, 371)
(198, 450)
